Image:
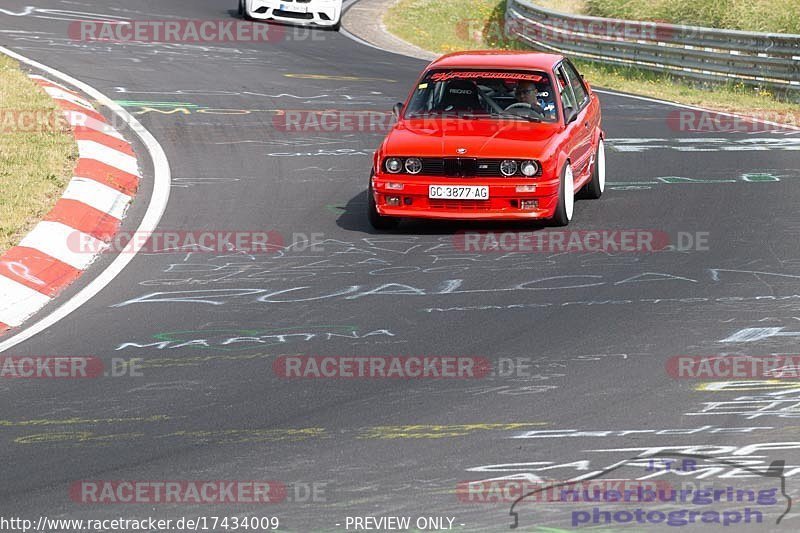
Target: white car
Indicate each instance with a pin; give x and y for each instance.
(327, 13)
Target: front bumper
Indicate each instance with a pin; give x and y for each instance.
(504, 201)
(316, 12)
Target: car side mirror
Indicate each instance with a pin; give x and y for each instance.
(572, 115)
(397, 110)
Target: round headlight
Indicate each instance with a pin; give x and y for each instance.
(529, 168)
(508, 167)
(413, 165)
(393, 165)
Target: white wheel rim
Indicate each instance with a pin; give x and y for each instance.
(569, 192)
(601, 165)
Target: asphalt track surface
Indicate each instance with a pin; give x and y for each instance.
(598, 327)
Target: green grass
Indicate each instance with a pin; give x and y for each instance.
(449, 25)
(35, 162)
(781, 16)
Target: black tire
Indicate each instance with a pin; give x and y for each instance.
(243, 10)
(563, 213)
(594, 189)
(377, 221)
(336, 27)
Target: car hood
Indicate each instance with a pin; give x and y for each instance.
(480, 138)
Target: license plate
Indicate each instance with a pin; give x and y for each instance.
(458, 192)
(293, 7)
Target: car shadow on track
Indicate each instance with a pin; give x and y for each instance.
(354, 218)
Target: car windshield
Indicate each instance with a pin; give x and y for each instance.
(516, 95)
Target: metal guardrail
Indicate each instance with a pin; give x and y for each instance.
(689, 51)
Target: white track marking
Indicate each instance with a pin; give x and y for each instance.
(109, 156)
(155, 209)
(61, 94)
(96, 195)
(51, 82)
(19, 302)
(695, 108)
(76, 119)
(68, 245)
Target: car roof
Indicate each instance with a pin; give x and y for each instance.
(497, 59)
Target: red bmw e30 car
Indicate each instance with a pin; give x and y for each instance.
(490, 135)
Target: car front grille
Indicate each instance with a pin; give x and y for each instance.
(463, 167)
(292, 14)
(460, 205)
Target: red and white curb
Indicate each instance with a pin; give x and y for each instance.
(86, 217)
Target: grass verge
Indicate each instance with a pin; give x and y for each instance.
(37, 153)
(781, 16)
(448, 25)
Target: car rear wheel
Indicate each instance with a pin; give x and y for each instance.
(376, 220)
(566, 197)
(596, 186)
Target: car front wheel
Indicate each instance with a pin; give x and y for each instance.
(566, 197)
(596, 186)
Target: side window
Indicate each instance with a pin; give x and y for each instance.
(562, 85)
(575, 82)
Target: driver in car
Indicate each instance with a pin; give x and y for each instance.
(528, 94)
